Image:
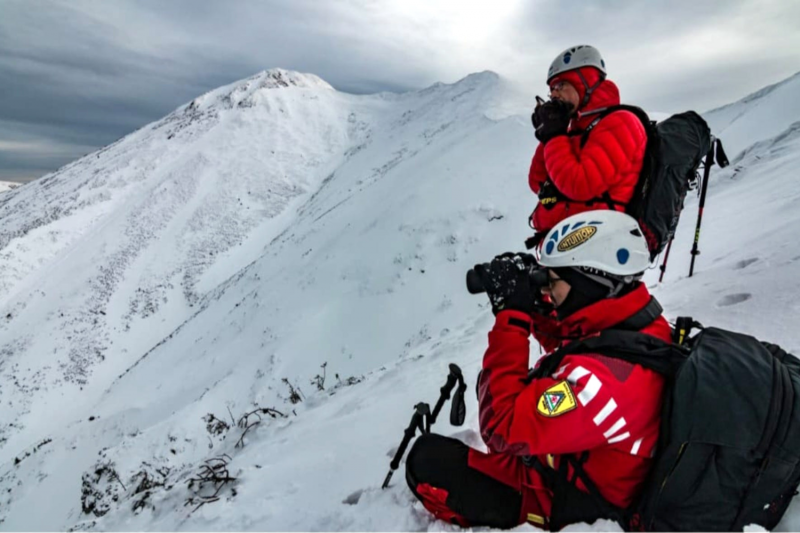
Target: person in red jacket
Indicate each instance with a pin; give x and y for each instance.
(569, 176)
(594, 413)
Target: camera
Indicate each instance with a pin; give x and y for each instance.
(536, 274)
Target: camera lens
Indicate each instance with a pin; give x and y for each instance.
(474, 283)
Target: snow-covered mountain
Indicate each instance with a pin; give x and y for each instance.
(276, 244)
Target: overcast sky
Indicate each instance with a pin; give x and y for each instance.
(76, 75)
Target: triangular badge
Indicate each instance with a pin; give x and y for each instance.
(556, 400)
(553, 400)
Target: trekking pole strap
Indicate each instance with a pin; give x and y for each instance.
(720, 156)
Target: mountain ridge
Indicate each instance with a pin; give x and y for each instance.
(756, 95)
(739, 126)
(163, 197)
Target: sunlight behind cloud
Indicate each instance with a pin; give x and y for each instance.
(467, 22)
(710, 44)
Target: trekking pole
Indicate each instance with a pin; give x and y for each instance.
(663, 267)
(422, 418)
(722, 160)
(703, 188)
(459, 409)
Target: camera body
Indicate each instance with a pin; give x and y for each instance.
(536, 274)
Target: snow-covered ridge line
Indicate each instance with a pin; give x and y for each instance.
(761, 93)
(241, 93)
(757, 117)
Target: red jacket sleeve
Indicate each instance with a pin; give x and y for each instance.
(538, 172)
(610, 151)
(571, 411)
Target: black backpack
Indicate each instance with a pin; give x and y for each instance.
(675, 148)
(729, 444)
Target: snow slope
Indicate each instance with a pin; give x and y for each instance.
(275, 231)
(756, 117)
(7, 186)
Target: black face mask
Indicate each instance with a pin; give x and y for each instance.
(583, 292)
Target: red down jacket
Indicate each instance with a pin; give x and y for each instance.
(610, 161)
(608, 407)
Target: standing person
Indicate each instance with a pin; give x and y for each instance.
(594, 413)
(571, 176)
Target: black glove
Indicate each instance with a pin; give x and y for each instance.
(551, 119)
(507, 280)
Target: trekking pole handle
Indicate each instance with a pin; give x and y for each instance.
(458, 410)
(422, 411)
(453, 377)
(721, 156)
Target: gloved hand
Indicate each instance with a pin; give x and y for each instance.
(507, 280)
(551, 119)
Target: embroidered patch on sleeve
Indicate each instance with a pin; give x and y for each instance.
(557, 400)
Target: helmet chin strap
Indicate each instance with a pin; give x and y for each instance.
(588, 90)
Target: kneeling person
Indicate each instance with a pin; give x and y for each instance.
(594, 418)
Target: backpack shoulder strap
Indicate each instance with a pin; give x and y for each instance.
(624, 341)
(643, 317)
(640, 113)
(601, 113)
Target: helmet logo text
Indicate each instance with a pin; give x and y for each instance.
(576, 238)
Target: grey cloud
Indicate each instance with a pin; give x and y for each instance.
(85, 72)
(663, 54)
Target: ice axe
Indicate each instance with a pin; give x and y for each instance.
(423, 419)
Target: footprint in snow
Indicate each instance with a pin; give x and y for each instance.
(353, 498)
(745, 263)
(733, 299)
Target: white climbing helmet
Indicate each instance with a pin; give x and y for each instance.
(609, 242)
(574, 58)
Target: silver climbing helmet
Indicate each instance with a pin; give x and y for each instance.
(574, 58)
